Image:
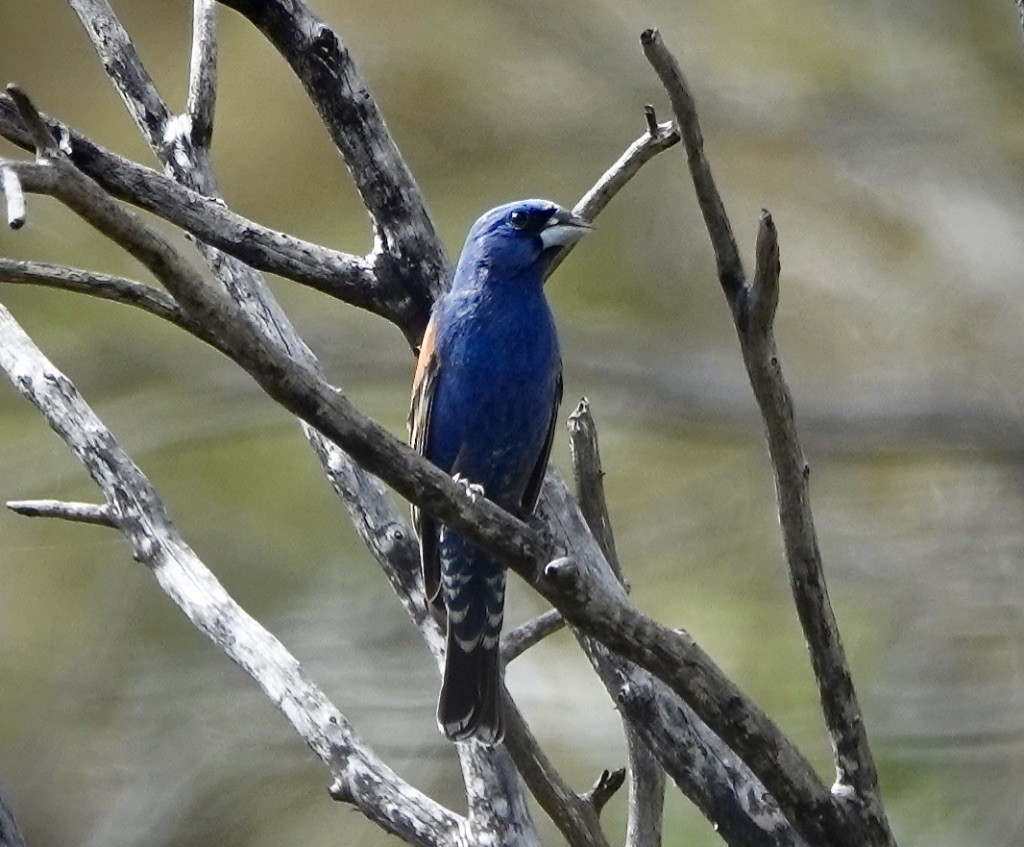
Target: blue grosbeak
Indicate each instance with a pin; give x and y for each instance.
(485, 396)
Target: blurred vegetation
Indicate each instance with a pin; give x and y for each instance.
(886, 140)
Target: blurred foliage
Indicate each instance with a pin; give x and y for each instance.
(884, 137)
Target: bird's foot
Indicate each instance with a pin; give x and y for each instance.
(472, 489)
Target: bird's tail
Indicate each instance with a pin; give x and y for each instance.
(470, 701)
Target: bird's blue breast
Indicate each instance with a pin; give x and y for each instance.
(498, 362)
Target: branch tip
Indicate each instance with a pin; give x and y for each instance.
(604, 788)
(97, 514)
(563, 570)
(14, 197)
(652, 120)
(34, 123)
(530, 633)
(764, 289)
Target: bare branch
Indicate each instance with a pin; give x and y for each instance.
(14, 197)
(531, 632)
(341, 275)
(576, 817)
(727, 255)
(763, 297)
(488, 773)
(122, 64)
(583, 587)
(408, 255)
(855, 769)
(41, 138)
(646, 802)
(659, 723)
(658, 137)
(753, 309)
(295, 384)
(202, 74)
(104, 286)
(646, 777)
(604, 788)
(138, 513)
(98, 514)
(712, 776)
(589, 477)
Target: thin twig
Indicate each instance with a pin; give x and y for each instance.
(14, 197)
(529, 633)
(753, 309)
(646, 777)
(202, 73)
(103, 286)
(33, 123)
(727, 255)
(657, 138)
(98, 514)
(577, 818)
(646, 800)
(589, 477)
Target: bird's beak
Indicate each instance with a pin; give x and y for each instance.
(563, 228)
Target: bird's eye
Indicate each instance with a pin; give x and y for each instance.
(518, 219)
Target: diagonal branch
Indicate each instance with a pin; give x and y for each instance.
(753, 308)
(10, 834)
(202, 72)
(100, 285)
(407, 254)
(659, 137)
(531, 632)
(341, 275)
(137, 511)
(675, 726)
(125, 69)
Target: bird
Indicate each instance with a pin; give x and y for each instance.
(486, 391)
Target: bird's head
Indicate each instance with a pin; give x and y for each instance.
(522, 237)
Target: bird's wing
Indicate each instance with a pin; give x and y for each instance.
(533, 486)
(423, 388)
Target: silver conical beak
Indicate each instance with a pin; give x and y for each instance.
(564, 228)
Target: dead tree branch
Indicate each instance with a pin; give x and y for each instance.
(135, 508)
(723, 785)
(753, 308)
(202, 72)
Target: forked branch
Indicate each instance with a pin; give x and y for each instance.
(753, 306)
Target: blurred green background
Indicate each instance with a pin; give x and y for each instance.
(886, 139)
